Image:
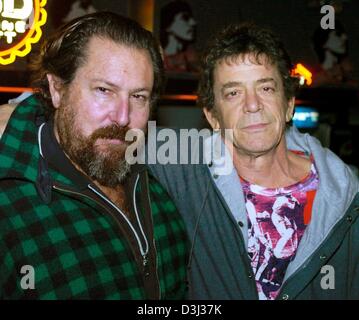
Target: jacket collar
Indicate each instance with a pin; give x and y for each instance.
(55, 156)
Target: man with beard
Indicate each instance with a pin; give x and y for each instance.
(76, 221)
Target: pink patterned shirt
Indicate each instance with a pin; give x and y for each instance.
(277, 218)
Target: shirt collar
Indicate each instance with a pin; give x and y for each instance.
(54, 154)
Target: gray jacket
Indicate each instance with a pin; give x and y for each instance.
(219, 266)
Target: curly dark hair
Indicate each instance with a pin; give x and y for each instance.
(243, 39)
(65, 51)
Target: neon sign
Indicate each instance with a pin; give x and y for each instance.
(305, 76)
(20, 27)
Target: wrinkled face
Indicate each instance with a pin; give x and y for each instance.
(109, 95)
(336, 43)
(249, 98)
(183, 26)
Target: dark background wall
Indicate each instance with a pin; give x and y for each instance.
(293, 20)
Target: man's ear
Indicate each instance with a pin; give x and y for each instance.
(55, 86)
(212, 118)
(290, 109)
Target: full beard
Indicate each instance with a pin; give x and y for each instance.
(106, 165)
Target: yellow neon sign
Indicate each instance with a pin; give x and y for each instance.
(20, 27)
(304, 73)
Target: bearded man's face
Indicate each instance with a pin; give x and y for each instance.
(109, 95)
(102, 162)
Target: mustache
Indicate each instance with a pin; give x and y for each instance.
(110, 132)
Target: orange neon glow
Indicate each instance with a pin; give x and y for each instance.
(38, 18)
(15, 89)
(183, 97)
(303, 72)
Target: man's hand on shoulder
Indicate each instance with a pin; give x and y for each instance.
(5, 113)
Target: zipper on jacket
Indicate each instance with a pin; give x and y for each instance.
(154, 239)
(155, 249)
(143, 251)
(144, 267)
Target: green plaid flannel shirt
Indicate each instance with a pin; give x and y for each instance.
(76, 252)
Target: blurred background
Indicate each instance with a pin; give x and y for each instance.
(326, 62)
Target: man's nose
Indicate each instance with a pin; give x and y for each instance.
(252, 102)
(121, 112)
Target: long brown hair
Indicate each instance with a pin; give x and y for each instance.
(65, 51)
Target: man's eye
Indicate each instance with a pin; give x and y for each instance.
(102, 90)
(232, 94)
(140, 97)
(268, 89)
